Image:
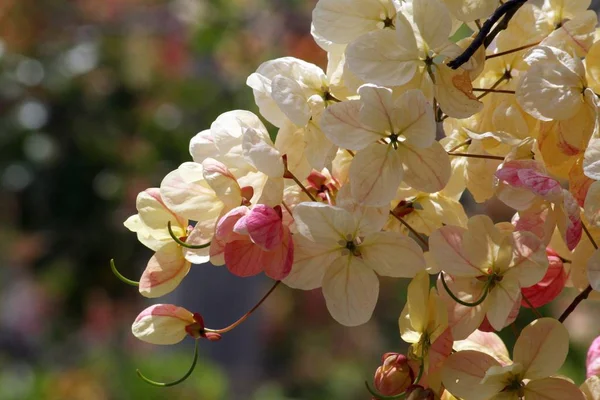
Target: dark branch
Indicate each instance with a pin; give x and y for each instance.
(485, 36)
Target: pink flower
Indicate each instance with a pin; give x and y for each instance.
(593, 358)
(255, 240)
(551, 284)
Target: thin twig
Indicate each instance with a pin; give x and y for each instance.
(412, 230)
(245, 316)
(485, 35)
(586, 292)
(503, 53)
(476, 156)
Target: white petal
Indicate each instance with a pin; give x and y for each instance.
(414, 119)
(375, 174)
(593, 270)
(162, 324)
(290, 98)
(591, 161)
(377, 108)
(392, 254)
(351, 290)
(434, 22)
(381, 58)
(426, 169)
(324, 223)
(345, 20)
(311, 260)
(342, 125)
(261, 152)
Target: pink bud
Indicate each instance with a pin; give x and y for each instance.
(593, 358)
(551, 284)
(394, 376)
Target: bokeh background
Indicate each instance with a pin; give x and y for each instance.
(98, 101)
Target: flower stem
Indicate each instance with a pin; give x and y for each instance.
(458, 146)
(245, 316)
(290, 175)
(412, 230)
(486, 35)
(586, 292)
(535, 310)
(503, 53)
(493, 90)
(485, 156)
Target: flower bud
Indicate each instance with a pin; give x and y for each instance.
(394, 376)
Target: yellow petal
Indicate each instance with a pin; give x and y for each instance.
(463, 371)
(542, 348)
(552, 389)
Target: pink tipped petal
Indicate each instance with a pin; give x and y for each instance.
(440, 350)
(243, 258)
(540, 184)
(225, 226)
(509, 171)
(549, 287)
(264, 226)
(593, 358)
(162, 324)
(463, 371)
(446, 246)
(164, 272)
(278, 263)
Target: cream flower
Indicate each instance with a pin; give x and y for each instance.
(342, 254)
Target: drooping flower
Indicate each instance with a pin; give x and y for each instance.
(255, 240)
(169, 324)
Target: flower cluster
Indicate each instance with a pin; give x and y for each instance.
(364, 177)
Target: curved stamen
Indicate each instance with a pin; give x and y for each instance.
(461, 302)
(178, 381)
(113, 267)
(184, 244)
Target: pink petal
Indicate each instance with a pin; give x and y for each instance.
(593, 358)
(550, 286)
(225, 226)
(264, 226)
(540, 184)
(166, 310)
(278, 263)
(574, 225)
(509, 172)
(244, 258)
